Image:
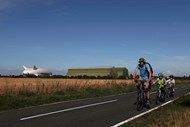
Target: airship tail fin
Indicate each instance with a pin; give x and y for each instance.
(24, 67)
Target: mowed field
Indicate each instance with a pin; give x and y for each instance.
(12, 86)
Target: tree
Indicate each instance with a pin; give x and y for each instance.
(114, 73)
(131, 76)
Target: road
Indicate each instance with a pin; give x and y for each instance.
(97, 112)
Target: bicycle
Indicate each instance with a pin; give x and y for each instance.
(160, 95)
(170, 92)
(141, 96)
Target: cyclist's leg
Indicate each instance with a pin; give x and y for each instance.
(159, 91)
(173, 89)
(147, 87)
(138, 92)
(162, 90)
(150, 87)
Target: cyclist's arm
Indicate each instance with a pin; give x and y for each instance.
(165, 82)
(174, 82)
(155, 82)
(150, 75)
(135, 73)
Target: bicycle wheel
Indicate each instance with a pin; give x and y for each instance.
(140, 100)
(157, 98)
(168, 93)
(164, 96)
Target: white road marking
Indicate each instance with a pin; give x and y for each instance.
(144, 113)
(153, 93)
(69, 109)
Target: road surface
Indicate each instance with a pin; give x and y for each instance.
(97, 112)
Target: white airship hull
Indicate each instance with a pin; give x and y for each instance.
(36, 72)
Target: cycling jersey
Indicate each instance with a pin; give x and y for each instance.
(171, 82)
(143, 71)
(160, 82)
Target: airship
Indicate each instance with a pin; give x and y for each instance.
(36, 72)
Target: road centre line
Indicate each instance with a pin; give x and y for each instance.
(69, 109)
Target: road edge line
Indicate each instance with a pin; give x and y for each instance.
(144, 113)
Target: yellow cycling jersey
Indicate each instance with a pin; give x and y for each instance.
(160, 82)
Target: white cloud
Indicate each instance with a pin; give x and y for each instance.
(176, 65)
(147, 53)
(9, 6)
(26, 47)
(176, 57)
(181, 58)
(10, 71)
(62, 11)
(59, 71)
(6, 5)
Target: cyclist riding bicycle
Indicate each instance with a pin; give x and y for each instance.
(171, 82)
(146, 74)
(161, 81)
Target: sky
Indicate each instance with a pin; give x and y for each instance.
(62, 34)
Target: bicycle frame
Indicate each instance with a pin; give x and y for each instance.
(170, 92)
(141, 96)
(160, 96)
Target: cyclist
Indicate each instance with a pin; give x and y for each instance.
(161, 81)
(171, 82)
(146, 74)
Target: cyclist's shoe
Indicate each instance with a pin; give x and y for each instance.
(148, 103)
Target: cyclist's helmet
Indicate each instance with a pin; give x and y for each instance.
(171, 76)
(160, 75)
(142, 60)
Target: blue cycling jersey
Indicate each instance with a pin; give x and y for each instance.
(143, 71)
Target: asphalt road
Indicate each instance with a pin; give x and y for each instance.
(98, 112)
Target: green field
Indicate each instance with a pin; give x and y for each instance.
(23, 92)
(8, 102)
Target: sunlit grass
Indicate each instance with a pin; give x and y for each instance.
(176, 114)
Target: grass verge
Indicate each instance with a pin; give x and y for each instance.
(8, 102)
(176, 114)
(27, 99)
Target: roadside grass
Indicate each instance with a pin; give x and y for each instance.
(176, 114)
(20, 93)
(8, 102)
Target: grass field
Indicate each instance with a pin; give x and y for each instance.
(176, 114)
(13, 86)
(24, 92)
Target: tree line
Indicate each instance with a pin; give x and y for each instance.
(87, 77)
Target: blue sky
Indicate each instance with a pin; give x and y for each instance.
(59, 34)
